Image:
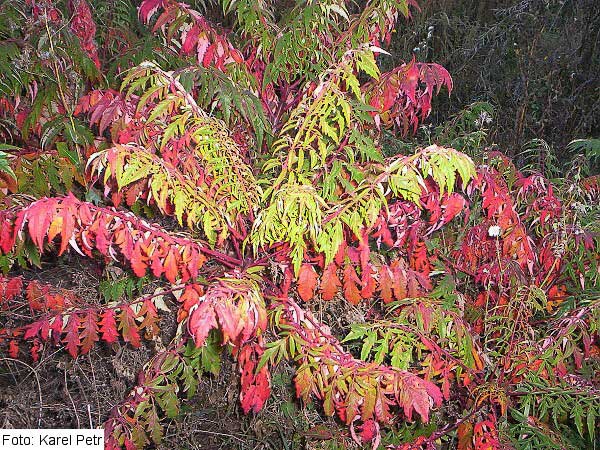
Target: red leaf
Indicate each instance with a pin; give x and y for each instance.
(208, 56)
(102, 237)
(330, 282)
(341, 253)
(191, 39)
(157, 265)
(38, 218)
(45, 329)
(363, 249)
(148, 8)
(255, 386)
(369, 431)
(307, 281)
(7, 236)
(35, 350)
(452, 206)
(255, 395)
(202, 320)
(108, 326)
(89, 334)
(230, 318)
(56, 328)
(33, 329)
(13, 287)
(402, 97)
(71, 338)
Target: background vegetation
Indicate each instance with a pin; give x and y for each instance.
(534, 61)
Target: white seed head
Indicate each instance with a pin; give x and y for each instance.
(494, 231)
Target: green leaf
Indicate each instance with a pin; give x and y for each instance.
(368, 345)
(211, 357)
(591, 422)
(65, 152)
(169, 402)
(5, 165)
(78, 133)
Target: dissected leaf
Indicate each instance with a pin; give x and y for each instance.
(307, 282)
(330, 282)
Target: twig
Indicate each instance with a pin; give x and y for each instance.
(216, 433)
(71, 398)
(95, 387)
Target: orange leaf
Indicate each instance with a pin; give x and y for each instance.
(150, 318)
(8, 182)
(465, 436)
(413, 285)
(134, 191)
(138, 260)
(399, 282)
(307, 281)
(351, 280)
(418, 258)
(368, 281)
(385, 284)
(330, 282)
(171, 265)
(36, 295)
(13, 349)
(55, 228)
(89, 333)
(128, 327)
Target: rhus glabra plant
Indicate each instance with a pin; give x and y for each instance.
(241, 170)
